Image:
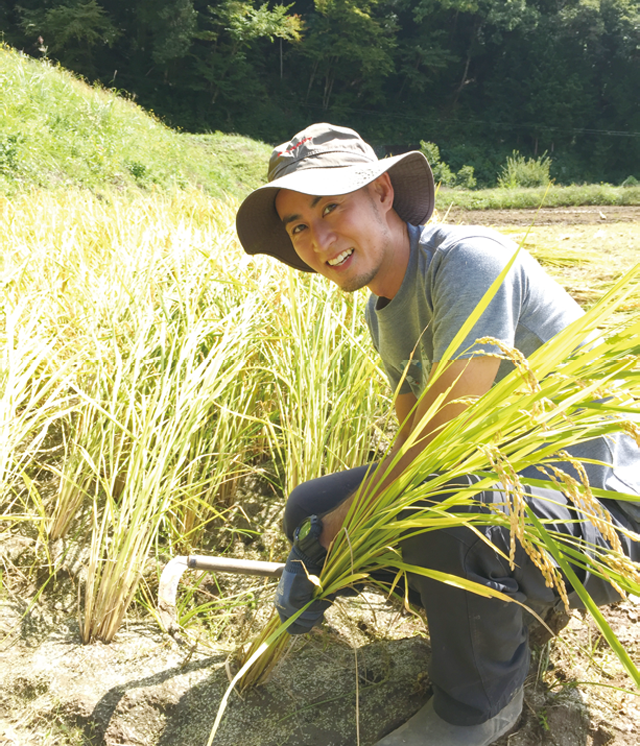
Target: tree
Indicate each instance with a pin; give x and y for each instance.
(479, 77)
(172, 25)
(71, 31)
(350, 47)
(229, 31)
(571, 83)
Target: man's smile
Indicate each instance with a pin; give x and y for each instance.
(340, 259)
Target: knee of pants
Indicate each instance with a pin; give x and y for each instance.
(459, 551)
(320, 496)
(294, 512)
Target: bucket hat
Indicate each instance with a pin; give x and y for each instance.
(325, 160)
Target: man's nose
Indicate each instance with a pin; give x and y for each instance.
(323, 237)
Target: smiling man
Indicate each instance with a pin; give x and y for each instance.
(333, 208)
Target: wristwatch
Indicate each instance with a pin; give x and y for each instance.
(307, 539)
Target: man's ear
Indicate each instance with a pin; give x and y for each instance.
(381, 190)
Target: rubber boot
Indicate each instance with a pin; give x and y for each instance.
(426, 728)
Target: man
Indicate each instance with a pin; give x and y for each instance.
(332, 207)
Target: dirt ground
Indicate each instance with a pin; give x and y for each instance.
(357, 678)
(350, 682)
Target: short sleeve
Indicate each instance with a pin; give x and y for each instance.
(460, 277)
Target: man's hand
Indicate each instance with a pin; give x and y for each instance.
(295, 590)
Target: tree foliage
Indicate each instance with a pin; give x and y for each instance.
(74, 28)
(482, 78)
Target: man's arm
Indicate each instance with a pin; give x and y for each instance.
(465, 378)
(404, 406)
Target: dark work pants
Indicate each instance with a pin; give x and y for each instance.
(480, 654)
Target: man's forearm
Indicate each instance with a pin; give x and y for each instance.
(332, 522)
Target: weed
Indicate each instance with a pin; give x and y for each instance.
(465, 178)
(532, 198)
(442, 173)
(522, 172)
(542, 719)
(9, 149)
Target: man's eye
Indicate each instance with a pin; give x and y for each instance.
(297, 229)
(329, 208)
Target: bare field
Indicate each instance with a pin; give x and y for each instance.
(548, 216)
(586, 249)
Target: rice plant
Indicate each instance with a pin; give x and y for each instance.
(32, 400)
(150, 430)
(327, 387)
(171, 365)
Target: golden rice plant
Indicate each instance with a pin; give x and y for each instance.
(134, 331)
(325, 383)
(149, 429)
(170, 364)
(33, 400)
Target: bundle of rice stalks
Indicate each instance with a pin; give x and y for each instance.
(571, 390)
(566, 393)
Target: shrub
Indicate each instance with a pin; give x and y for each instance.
(9, 153)
(522, 172)
(630, 181)
(442, 173)
(465, 178)
(486, 161)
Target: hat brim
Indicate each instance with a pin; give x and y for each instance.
(261, 231)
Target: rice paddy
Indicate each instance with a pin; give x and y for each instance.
(158, 388)
(152, 373)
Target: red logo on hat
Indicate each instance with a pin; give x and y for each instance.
(291, 148)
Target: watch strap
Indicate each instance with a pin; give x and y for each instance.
(307, 540)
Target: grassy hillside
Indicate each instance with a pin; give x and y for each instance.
(57, 131)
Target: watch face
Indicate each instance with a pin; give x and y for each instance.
(304, 529)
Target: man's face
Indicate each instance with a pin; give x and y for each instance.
(345, 238)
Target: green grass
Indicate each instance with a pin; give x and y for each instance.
(532, 198)
(58, 132)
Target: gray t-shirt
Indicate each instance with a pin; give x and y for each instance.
(450, 269)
